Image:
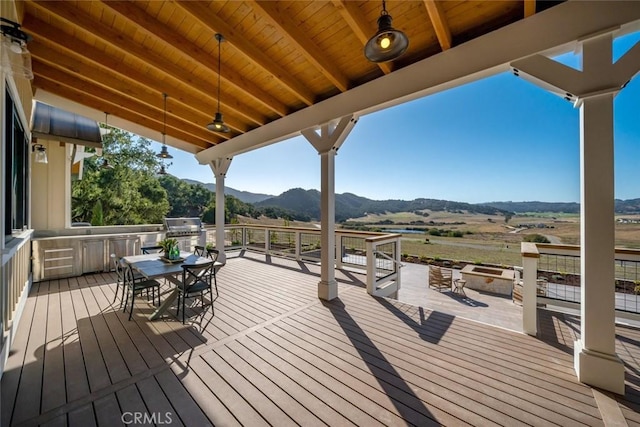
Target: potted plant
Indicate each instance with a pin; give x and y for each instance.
(169, 247)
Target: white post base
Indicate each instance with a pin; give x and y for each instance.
(604, 371)
(327, 290)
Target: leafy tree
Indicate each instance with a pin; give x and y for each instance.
(188, 200)
(233, 207)
(536, 238)
(97, 217)
(507, 217)
(130, 193)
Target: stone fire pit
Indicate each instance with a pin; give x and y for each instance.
(488, 279)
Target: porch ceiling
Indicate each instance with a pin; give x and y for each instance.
(280, 57)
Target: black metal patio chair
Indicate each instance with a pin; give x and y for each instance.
(133, 286)
(196, 279)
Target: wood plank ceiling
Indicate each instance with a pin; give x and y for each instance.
(279, 56)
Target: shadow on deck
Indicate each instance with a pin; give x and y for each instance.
(274, 354)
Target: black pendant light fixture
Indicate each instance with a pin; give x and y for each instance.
(162, 170)
(105, 164)
(388, 43)
(218, 125)
(164, 153)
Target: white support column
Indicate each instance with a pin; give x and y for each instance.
(328, 287)
(220, 168)
(327, 143)
(596, 361)
(593, 90)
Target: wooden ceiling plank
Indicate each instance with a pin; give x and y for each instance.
(200, 12)
(360, 27)
(439, 22)
(70, 92)
(125, 78)
(158, 30)
(274, 13)
(117, 40)
(529, 8)
(175, 123)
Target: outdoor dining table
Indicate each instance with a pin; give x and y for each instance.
(153, 266)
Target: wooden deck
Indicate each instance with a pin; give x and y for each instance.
(273, 354)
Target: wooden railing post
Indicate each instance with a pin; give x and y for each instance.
(530, 256)
(339, 251)
(371, 267)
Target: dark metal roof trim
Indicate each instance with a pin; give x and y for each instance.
(55, 124)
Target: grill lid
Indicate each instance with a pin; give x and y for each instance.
(182, 226)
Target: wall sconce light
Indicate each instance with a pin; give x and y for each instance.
(40, 155)
(17, 60)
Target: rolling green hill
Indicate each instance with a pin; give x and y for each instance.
(348, 205)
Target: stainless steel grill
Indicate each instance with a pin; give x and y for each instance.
(183, 227)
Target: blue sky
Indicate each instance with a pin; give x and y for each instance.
(497, 139)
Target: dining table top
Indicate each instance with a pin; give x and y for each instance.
(154, 265)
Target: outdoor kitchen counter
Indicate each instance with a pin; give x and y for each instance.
(75, 251)
(99, 231)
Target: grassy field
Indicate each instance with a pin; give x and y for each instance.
(486, 238)
(491, 240)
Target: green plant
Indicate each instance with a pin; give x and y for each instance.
(167, 244)
(636, 290)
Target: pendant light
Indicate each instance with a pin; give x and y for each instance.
(218, 125)
(164, 153)
(105, 164)
(388, 43)
(106, 130)
(162, 170)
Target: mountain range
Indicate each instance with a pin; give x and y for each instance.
(244, 196)
(306, 203)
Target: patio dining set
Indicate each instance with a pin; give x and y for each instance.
(189, 275)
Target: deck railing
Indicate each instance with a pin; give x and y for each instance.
(14, 288)
(377, 254)
(552, 276)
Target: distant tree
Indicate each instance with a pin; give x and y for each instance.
(130, 192)
(507, 217)
(97, 217)
(535, 238)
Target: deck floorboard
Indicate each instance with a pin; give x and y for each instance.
(270, 353)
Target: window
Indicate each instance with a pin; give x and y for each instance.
(16, 171)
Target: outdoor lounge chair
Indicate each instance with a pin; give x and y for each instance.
(440, 278)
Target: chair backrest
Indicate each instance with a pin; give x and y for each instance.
(196, 273)
(198, 250)
(117, 265)
(213, 254)
(440, 276)
(435, 274)
(146, 250)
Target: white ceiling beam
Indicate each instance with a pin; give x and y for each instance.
(556, 30)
